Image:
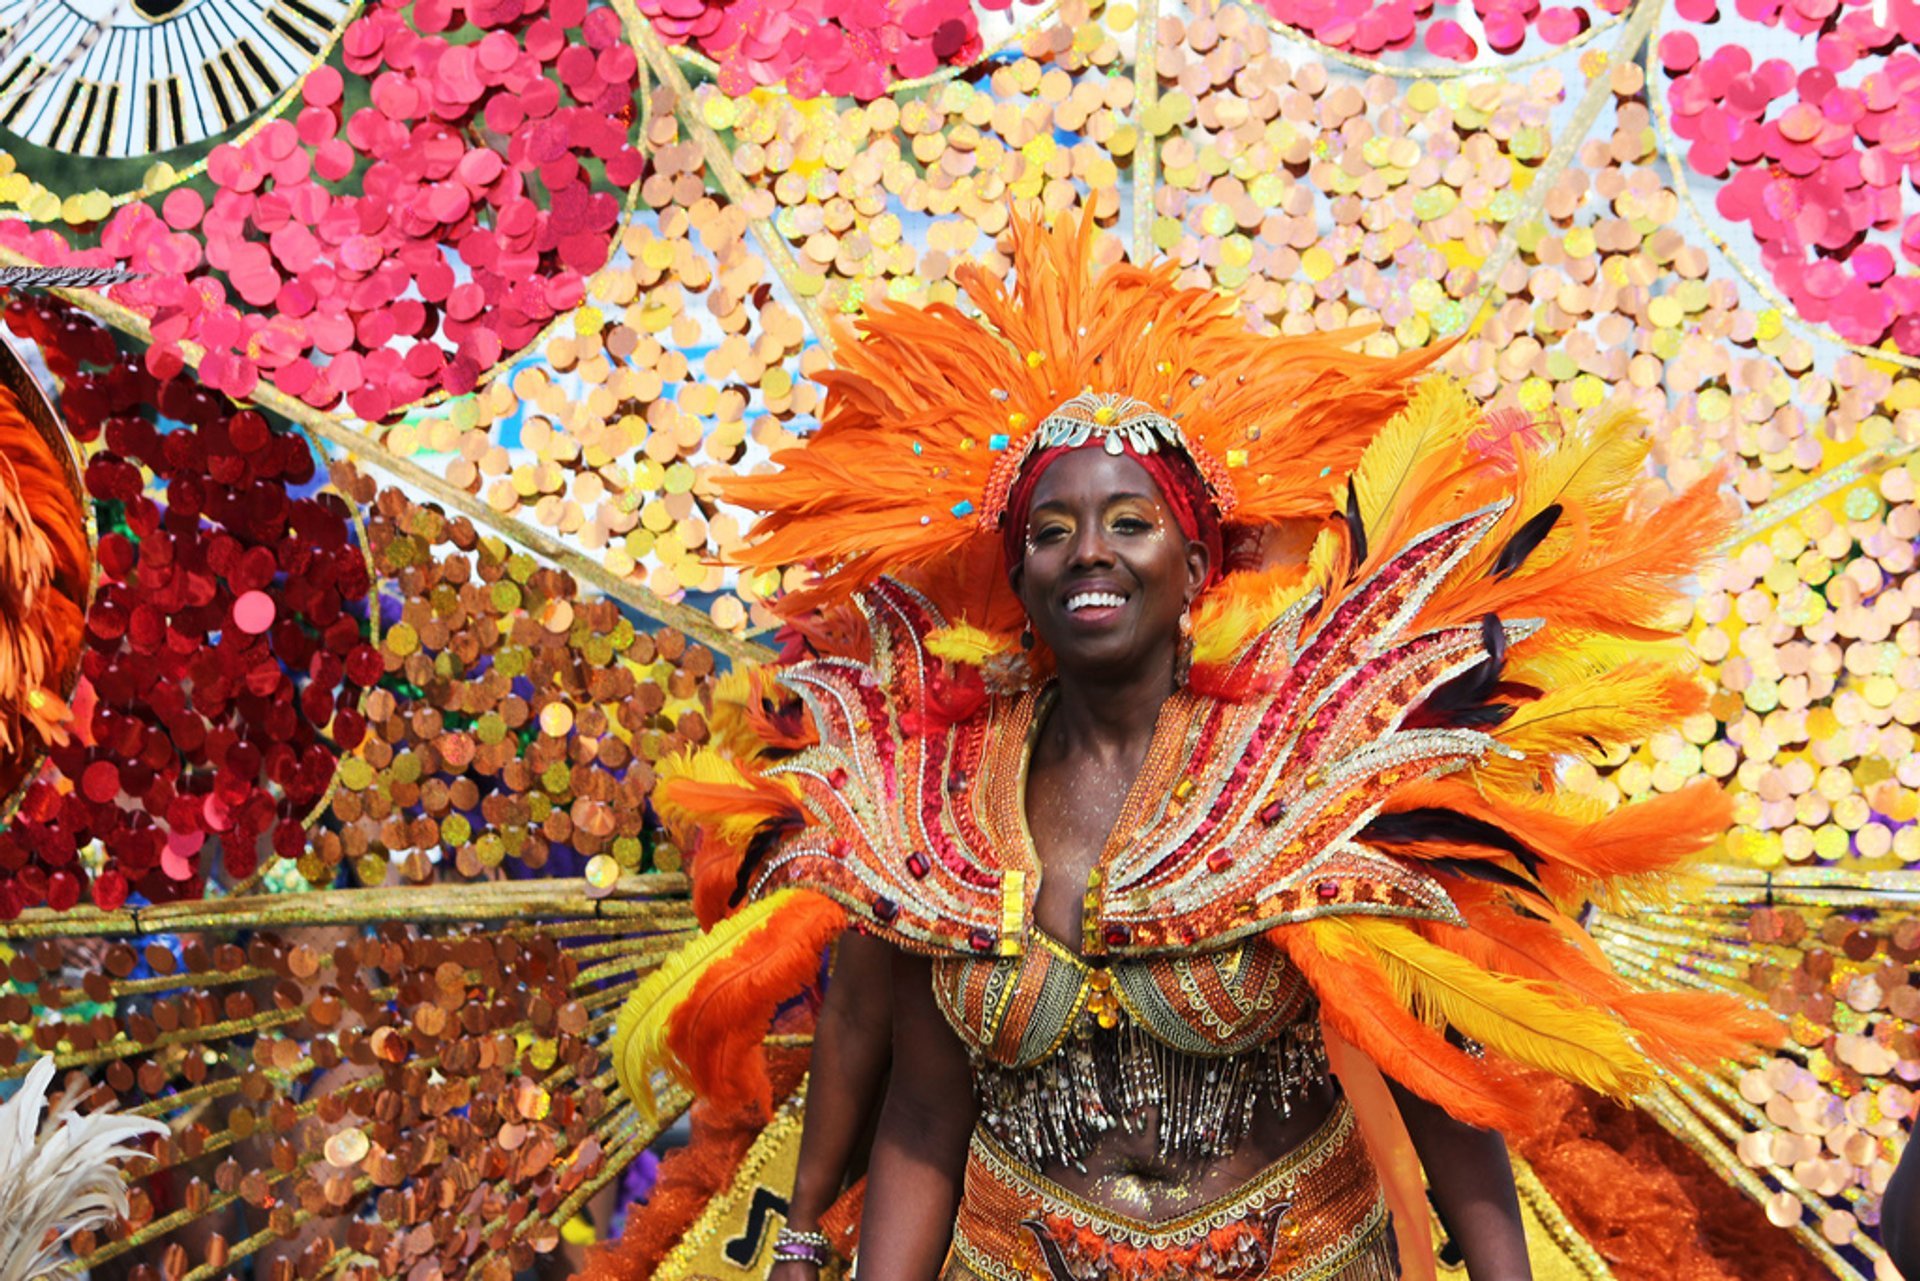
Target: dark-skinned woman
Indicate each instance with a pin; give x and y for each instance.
(1226, 889)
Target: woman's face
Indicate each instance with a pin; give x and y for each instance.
(1106, 571)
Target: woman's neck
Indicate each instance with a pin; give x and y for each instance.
(1105, 718)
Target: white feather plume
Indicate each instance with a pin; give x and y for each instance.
(58, 1179)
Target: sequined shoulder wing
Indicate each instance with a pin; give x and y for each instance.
(1264, 824)
(897, 827)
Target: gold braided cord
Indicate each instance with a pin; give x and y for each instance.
(1638, 27)
(1146, 150)
(1683, 1102)
(653, 902)
(1813, 886)
(1401, 71)
(225, 1030)
(1670, 148)
(358, 444)
(720, 165)
(1778, 510)
(1578, 1251)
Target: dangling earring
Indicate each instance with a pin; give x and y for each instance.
(1026, 639)
(1183, 654)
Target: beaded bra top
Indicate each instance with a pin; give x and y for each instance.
(1018, 1011)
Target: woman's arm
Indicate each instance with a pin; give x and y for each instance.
(920, 1152)
(851, 1046)
(1472, 1181)
(1900, 1212)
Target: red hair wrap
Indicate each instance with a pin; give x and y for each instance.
(1178, 481)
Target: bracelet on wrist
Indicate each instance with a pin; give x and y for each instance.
(790, 1246)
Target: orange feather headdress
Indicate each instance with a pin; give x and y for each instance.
(931, 411)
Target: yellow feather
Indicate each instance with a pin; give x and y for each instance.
(734, 826)
(1608, 709)
(1244, 605)
(727, 722)
(1435, 424)
(1519, 1019)
(640, 1032)
(965, 643)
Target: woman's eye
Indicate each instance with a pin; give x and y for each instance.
(1131, 525)
(1048, 533)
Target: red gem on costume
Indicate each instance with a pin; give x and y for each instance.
(1117, 935)
(1219, 861)
(838, 778)
(980, 940)
(1272, 812)
(918, 865)
(1328, 889)
(886, 909)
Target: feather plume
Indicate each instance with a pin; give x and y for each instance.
(61, 1181)
(1607, 710)
(1676, 1029)
(714, 1035)
(963, 643)
(1580, 845)
(1521, 1019)
(1400, 463)
(1357, 1000)
(648, 1034)
(45, 565)
(727, 801)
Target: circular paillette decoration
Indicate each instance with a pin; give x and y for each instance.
(225, 648)
(321, 264)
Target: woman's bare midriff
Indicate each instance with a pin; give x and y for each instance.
(1126, 1175)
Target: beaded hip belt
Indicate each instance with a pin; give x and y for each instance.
(1317, 1214)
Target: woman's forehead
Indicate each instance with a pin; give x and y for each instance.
(1094, 473)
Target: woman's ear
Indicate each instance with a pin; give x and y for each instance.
(1199, 565)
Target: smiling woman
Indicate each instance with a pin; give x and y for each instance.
(1221, 884)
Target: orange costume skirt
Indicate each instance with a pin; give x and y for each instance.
(1317, 1214)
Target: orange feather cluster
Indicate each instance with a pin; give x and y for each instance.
(45, 568)
(930, 409)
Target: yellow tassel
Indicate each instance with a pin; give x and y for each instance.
(640, 1033)
(1522, 1020)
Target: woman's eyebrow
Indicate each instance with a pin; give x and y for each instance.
(1061, 504)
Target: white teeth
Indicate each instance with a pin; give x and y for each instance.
(1095, 600)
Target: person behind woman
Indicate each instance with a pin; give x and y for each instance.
(1162, 833)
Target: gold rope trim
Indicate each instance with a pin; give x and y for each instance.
(653, 902)
(1639, 26)
(720, 164)
(1146, 151)
(1578, 1251)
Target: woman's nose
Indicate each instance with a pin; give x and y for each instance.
(1090, 545)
